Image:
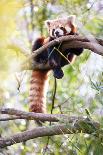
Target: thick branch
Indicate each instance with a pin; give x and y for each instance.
(37, 116)
(69, 125)
(69, 38)
(94, 47)
(83, 125)
(71, 41)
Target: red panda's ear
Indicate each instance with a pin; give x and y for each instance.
(71, 19)
(71, 23)
(47, 23)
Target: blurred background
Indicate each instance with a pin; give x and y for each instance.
(21, 22)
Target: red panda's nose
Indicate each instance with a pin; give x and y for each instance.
(57, 33)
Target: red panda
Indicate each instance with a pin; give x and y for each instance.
(38, 89)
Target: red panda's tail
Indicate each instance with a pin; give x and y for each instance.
(38, 90)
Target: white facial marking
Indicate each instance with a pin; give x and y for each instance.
(68, 29)
(58, 32)
(50, 32)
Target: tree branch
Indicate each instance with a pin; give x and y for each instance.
(70, 41)
(37, 116)
(84, 125)
(12, 118)
(67, 39)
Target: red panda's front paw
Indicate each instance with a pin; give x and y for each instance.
(58, 73)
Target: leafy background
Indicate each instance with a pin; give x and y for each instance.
(21, 22)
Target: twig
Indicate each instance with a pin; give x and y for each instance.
(52, 108)
(88, 9)
(64, 57)
(54, 93)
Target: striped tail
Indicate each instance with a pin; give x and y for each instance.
(38, 91)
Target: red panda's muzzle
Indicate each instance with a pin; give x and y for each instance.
(58, 32)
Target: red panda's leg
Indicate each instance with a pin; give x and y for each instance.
(76, 51)
(54, 59)
(37, 44)
(42, 57)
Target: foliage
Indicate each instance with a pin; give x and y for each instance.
(81, 88)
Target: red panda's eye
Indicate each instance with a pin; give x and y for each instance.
(61, 27)
(53, 31)
(64, 30)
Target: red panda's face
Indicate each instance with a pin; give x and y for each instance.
(61, 27)
(58, 32)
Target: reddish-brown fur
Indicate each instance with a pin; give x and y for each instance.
(39, 80)
(38, 86)
(38, 92)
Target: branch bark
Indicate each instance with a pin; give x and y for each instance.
(37, 116)
(70, 41)
(68, 125)
(84, 125)
(69, 38)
